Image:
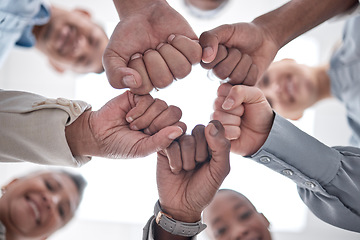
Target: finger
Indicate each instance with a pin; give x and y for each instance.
(136, 62)
(218, 106)
(232, 132)
(179, 66)
(174, 156)
(210, 40)
(201, 149)
(189, 48)
(226, 67)
(142, 103)
(220, 150)
(224, 89)
(117, 72)
(251, 77)
(168, 117)
(157, 142)
(241, 94)
(187, 146)
(220, 56)
(241, 70)
(156, 108)
(157, 69)
(226, 118)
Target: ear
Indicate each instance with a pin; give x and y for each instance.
(83, 12)
(56, 66)
(3, 189)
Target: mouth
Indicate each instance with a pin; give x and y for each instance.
(35, 209)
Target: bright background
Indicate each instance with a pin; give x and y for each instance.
(121, 193)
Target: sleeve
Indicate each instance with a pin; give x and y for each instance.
(32, 128)
(328, 179)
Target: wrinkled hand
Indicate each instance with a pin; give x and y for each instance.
(149, 48)
(128, 126)
(255, 47)
(191, 170)
(246, 116)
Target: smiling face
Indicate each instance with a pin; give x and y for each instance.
(38, 205)
(289, 87)
(72, 41)
(231, 216)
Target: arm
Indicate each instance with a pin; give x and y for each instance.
(142, 53)
(266, 34)
(327, 178)
(188, 176)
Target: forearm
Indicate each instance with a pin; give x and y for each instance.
(126, 7)
(298, 16)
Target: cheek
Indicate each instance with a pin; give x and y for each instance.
(22, 216)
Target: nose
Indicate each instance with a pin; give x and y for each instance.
(239, 232)
(82, 46)
(51, 200)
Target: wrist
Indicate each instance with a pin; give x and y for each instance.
(79, 136)
(128, 7)
(182, 215)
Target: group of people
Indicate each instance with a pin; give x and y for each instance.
(248, 117)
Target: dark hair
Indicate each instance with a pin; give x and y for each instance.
(78, 180)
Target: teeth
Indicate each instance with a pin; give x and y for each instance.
(36, 211)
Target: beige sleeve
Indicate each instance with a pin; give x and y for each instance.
(32, 128)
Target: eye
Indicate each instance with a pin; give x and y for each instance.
(61, 212)
(265, 81)
(49, 185)
(245, 215)
(220, 231)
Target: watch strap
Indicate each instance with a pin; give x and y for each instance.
(175, 227)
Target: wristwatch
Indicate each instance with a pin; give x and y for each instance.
(176, 227)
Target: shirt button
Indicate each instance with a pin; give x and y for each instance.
(310, 184)
(287, 172)
(265, 159)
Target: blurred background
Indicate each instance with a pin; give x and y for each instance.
(121, 193)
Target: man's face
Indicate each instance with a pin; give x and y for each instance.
(38, 205)
(289, 87)
(231, 216)
(72, 41)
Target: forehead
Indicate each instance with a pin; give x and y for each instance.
(225, 203)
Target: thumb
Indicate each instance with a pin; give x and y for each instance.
(160, 140)
(240, 94)
(117, 72)
(210, 40)
(220, 150)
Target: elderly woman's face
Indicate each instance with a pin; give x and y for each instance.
(38, 205)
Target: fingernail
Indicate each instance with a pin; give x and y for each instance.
(176, 134)
(159, 46)
(147, 131)
(171, 37)
(207, 52)
(228, 104)
(213, 130)
(135, 56)
(135, 128)
(129, 119)
(129, 81)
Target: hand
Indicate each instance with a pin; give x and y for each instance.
(256, 50)
(150, 46)
(128, 126)
(204, 157)
(246, 116)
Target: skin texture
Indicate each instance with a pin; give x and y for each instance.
(246, 116)
(143, 63)
(266, 34)
(35, 206)
(205, 4)
(184, 192)
(291, 88)
(232, 216)
(72, 41)
(128, 126)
